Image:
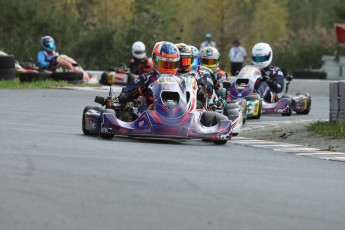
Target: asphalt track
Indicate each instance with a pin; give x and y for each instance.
(54, 177)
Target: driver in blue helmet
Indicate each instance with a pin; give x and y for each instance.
(46, 57)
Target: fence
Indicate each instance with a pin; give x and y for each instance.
(337, 100)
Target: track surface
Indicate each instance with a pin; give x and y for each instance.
(53, 177)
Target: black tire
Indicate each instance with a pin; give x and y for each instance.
(67, 76)
(7, 74)
(290, 106)
(106, 135)
(29, 77)
(104, 79)
(256, 97)
(210, 118)
(131, 77)
(7, 62)
(308, 104)
(87, 108)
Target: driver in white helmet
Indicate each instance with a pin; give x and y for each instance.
(272, 77)
(139, 63)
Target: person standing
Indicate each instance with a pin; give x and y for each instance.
(237, 55)
(208, 42)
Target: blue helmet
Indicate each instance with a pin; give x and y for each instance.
(48, 43)
(196, 59)
(208, 35)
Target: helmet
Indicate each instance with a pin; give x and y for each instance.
(208, 35)
(48, 43)
(186, 58)
(165, 57)
(196, 59)
(209, 57)
(262, 55)
(138, 50)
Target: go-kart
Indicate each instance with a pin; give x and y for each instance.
(120, 75)
(170, 116)
(235, 110)
(243, 87)
(62, 67)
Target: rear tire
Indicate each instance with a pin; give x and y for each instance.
(87, 108)
(256, 97)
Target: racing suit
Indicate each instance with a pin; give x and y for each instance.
(140, 66)
(44, 59)
(139, 87)
(272, 81)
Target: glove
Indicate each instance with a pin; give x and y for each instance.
(266, 78)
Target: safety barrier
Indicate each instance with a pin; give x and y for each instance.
(337, 100)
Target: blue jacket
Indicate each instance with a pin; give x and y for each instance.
(44, 58)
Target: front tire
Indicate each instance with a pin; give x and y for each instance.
(106, 135)
(210, 118)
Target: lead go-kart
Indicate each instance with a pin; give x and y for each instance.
(243, 87)
(62, 67)
(172, 115)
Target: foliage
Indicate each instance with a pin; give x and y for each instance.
(328, 129)
(99, 34)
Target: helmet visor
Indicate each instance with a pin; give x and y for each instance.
(208, 61)
(139, 51)
(167, 64)
(196, 61)
(261, 58)
(185, 61)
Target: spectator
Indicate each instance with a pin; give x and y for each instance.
(208, 42)
(237, 55)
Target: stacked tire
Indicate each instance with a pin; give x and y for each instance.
(7, 67)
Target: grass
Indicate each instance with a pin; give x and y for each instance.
(44, 84)
(328, 129)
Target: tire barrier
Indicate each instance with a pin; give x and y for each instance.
(7, 67)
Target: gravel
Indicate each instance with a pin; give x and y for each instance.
(295, 133)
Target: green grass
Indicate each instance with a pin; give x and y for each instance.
(45, 84)
(328, 129)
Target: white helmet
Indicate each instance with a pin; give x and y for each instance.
(138, 50)
(262, 55)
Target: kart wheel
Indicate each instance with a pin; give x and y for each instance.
(256, 97)
(210, 118)
(290, 106)
(232, 111)
(308, 103)
(29, 77)
(67, 76)
(7, 74)
(7, 62)
(106, 135)
(87, 108)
